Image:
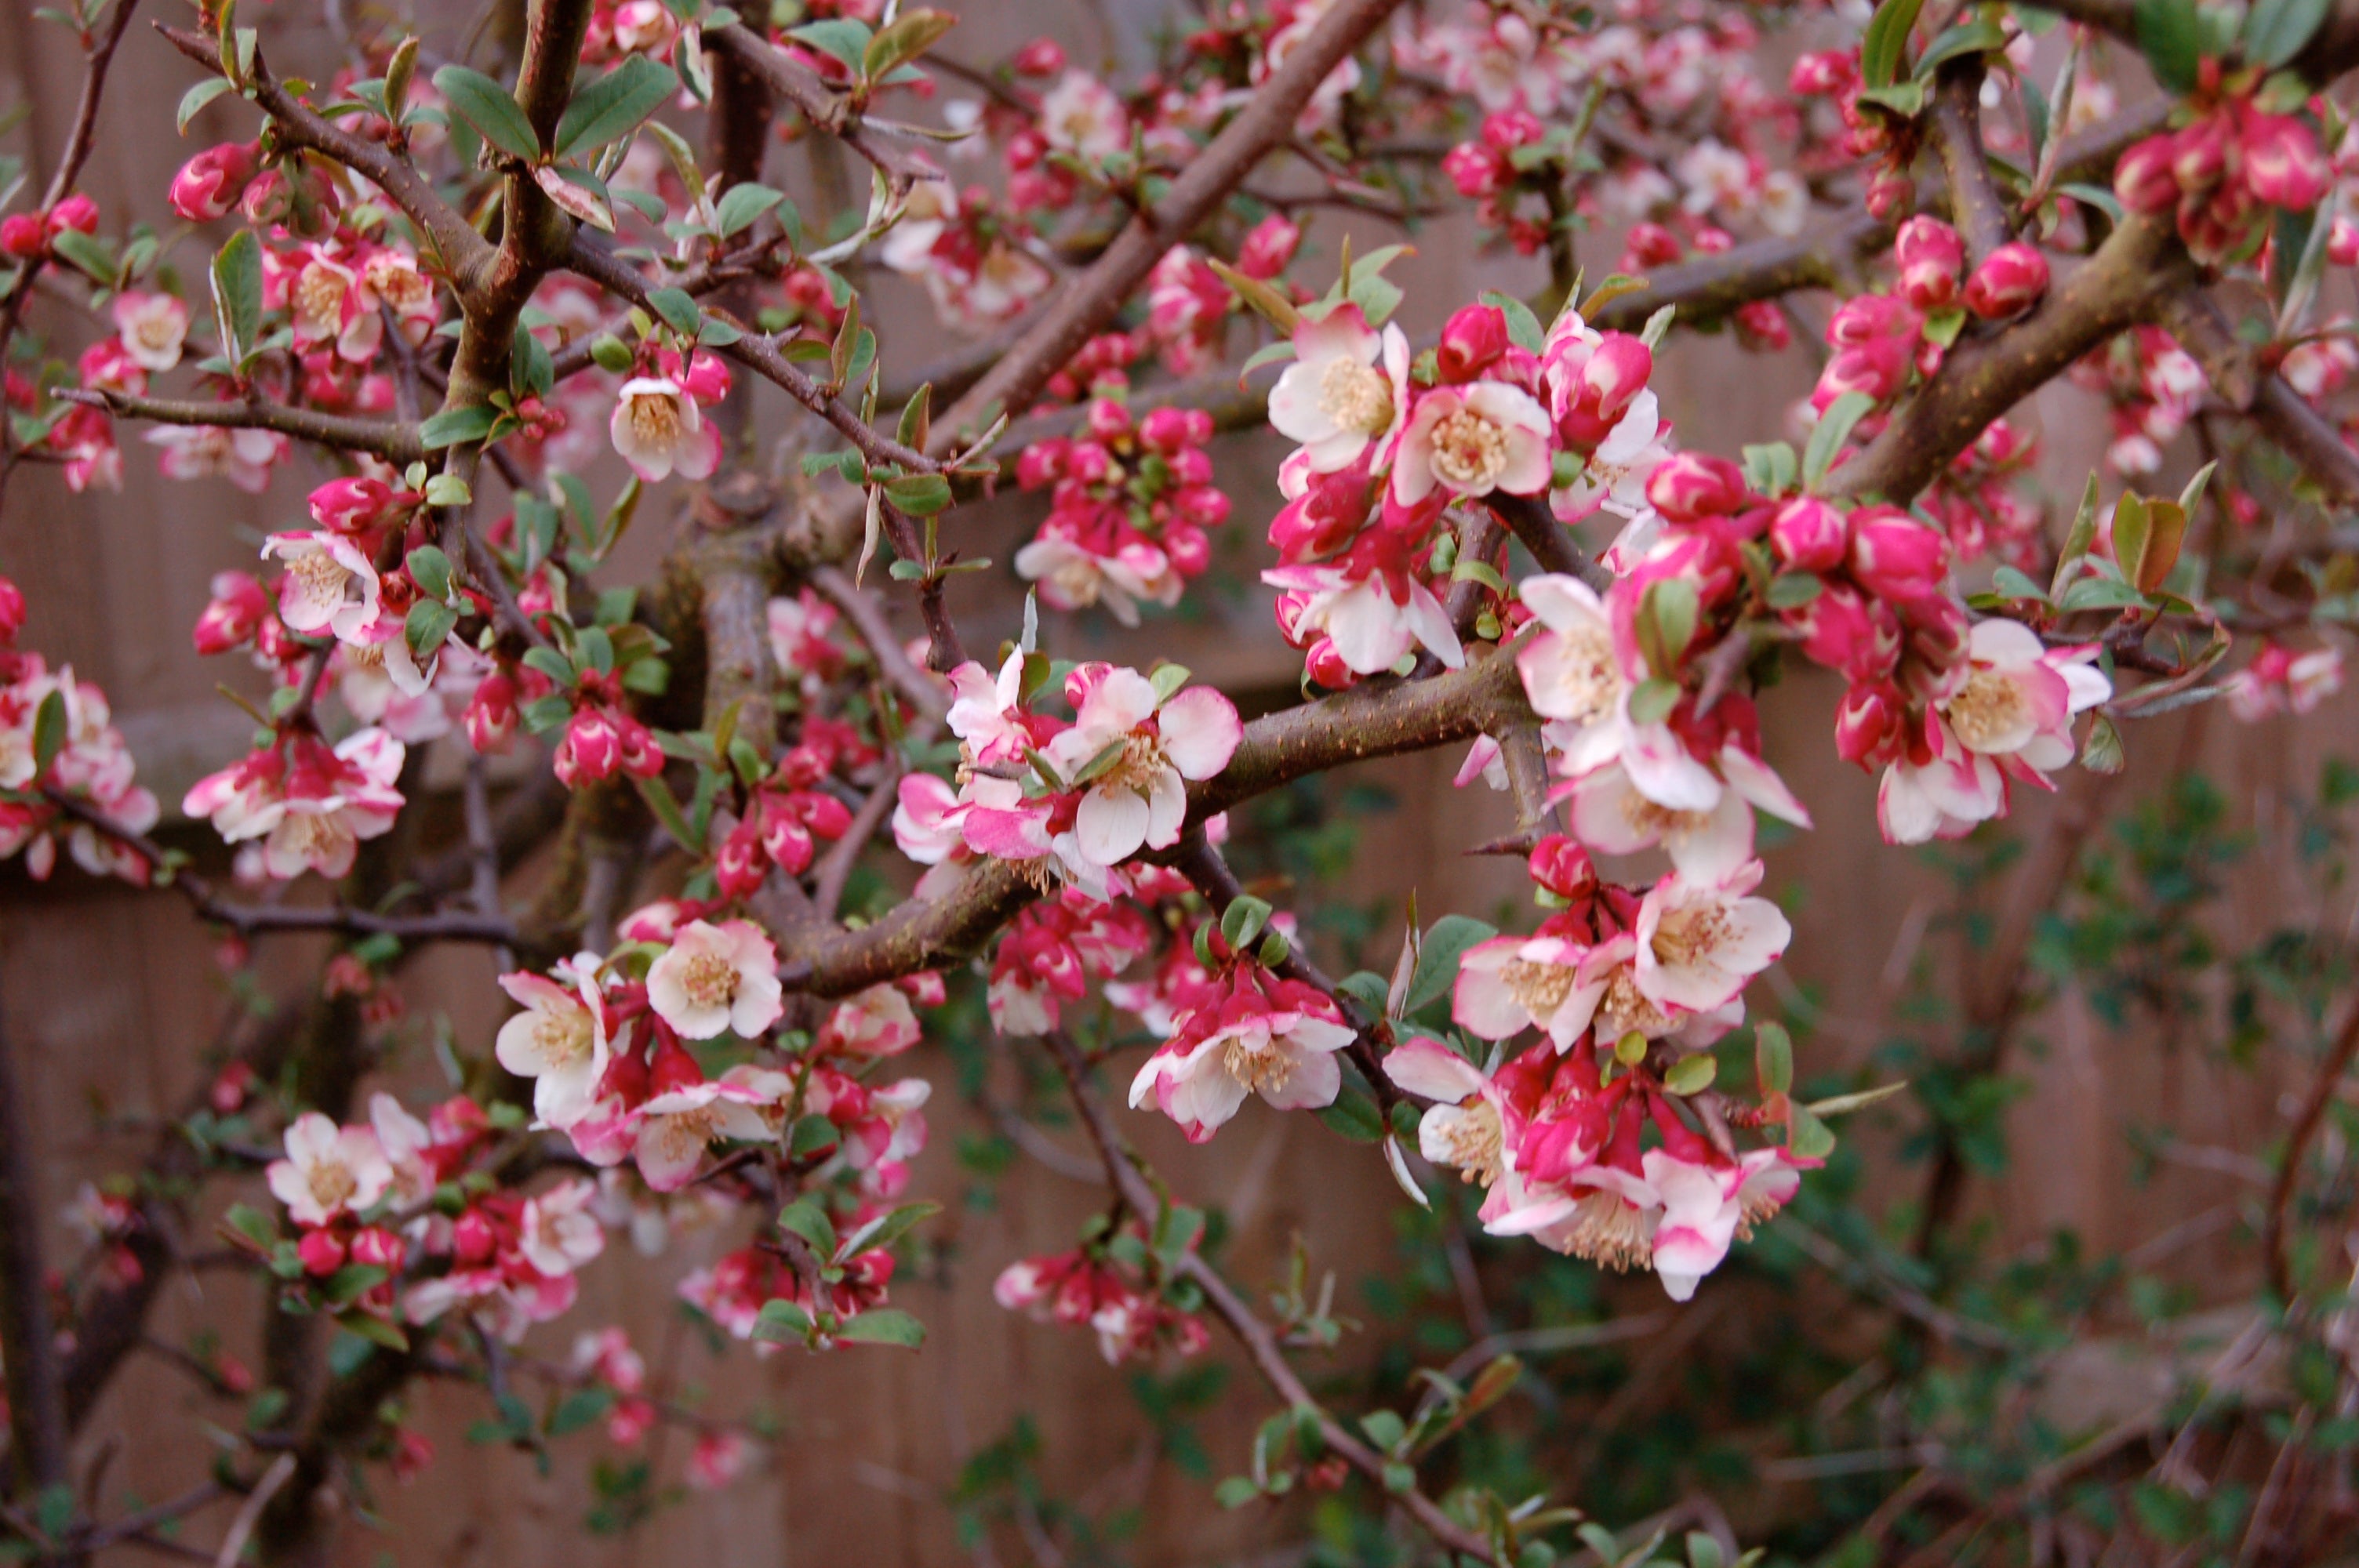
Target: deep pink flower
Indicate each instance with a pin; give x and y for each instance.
(2011, 279)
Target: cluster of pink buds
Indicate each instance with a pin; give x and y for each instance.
(1129, 509)
(739, 1285)
(1978, 507)
(2218, 175)
(1188, 305)
(27, 236)
(602, 739)
(511, 1260)
(1090, 1286)
(784, 817)
(2154, 388)
(1052, 951)
(91, 765)
(308, 803)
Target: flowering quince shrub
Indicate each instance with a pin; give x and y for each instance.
(458, 330)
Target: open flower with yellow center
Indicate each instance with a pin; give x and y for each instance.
(1471, 440)
(330, 585)
(659, 431)
(1271, 1037)
(1462, 1130)
(2020, 697)
(1512, 983)
(1348, 386)
(1137, 752)
(328, 1170)
(153, 327)
(558, 1041)
(675, 1127)
(1699, 941)
(717, 978)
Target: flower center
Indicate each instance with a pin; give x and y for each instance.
(320, 298)
(1650, 819)
(1987, 709)
(685, 1132)
(1538, 989)
(319, 576)
(311, 836)
(1623, 1008)
(1590, 677)
(331, 1182)
(400, 287)
(1355, 396)
(1141, 762)
(654, 419)
(1474, 1138)
(155, 331)
(1470, 450)
(1610, 1232)
(564, 1038)
(1686, 935)
(710, 980)
(1255, 1061)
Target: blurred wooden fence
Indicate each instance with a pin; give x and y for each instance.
(111, 998)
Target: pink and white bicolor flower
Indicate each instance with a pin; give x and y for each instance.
(558, 1041)
(1612, 816)
(558, 1232)
(1570, 669)
(1372, 620)
(717, 978)
(330, 585)
(153, 327)
(1472, 440)
(1462, 1129)
(328, 1170)
(1508, 984)
(2020, 696)
(1938, 789)
(675, 1126)
(659, 431)
(1705, 1206)
(1285, 1052)
(1348, 386)
(1141, 798)
(1699, 942)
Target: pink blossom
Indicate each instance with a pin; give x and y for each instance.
(210, 184)
(560, 1039)
(1699, 941)
(330, 585)
(659, 430)
(1472, 440)
(244, 457)
(151, 327)
(1276, 1038)
(715, 978)
(1160, 745)
(328, 1170)
(2011, 279)
(1347, 388)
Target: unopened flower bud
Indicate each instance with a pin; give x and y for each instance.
(2011, 279)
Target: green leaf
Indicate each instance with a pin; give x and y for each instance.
(2170, 35)
(1967, 37)
(846, 41)
(658, 797)
(429, 568)
(740, 205)
(49, 731)
(196, 97)
(1906, 99)
(1770, 468)
(2082, 533)
(2102, 751)
(887, 1228)
(1773, 1058)
(918, 494)
(1440, 955)
(677, 308)
(1791, 590)
(87, 254)
(1235, 1492)
(1523, 329)
(904, 40)
(455, 427)
(1243, 922)
(883, 1325)
(2013, 584)
(237, 294)
(1833, 429)
(374, 1329)
(578, 193)
(583, 1406)
(781, 1322)
(1884, 46)
(2276, 30)
(1653, 701)
(428, 625)
(1263, 299)
(1806, 1136)
(1666, 622)
(1840, 1104)
(1354, 1115)
(1691, 1074)
(611, 108)
(488, 107)
(807, 1217)
(2100, 593)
